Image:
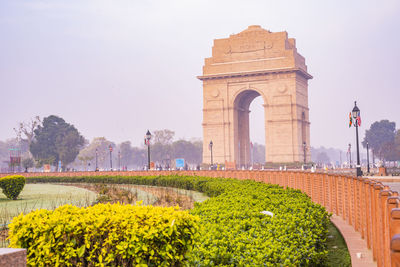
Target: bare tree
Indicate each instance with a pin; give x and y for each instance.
(163, 137)
(25, 131)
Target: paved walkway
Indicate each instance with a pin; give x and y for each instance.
(383, 179)
(360, 255)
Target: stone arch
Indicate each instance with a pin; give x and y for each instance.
(241, 124)
(249, 88)
(248, 64)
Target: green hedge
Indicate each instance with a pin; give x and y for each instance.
(233, 231)
(12, 185)
(104, 235)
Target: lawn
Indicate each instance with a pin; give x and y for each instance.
(338, 254)
(43, 196)
(51, 196)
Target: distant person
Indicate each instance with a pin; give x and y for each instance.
(312, 168)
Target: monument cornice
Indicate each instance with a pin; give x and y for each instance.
(255, 73)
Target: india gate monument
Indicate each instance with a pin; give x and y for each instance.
(252, 63)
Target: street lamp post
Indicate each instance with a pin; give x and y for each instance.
(356, 116)
(367, 157)
(111, 149)
(119, 160)
(350, 154)
(147, 140)
(252, 157)
(304, 151)
(97, 167)
(211, 146)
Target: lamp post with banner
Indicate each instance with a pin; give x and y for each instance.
(355, 114)
(147, 142)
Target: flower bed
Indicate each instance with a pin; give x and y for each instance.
(104, 234)
(233, 230)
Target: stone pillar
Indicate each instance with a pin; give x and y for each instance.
(244, 138)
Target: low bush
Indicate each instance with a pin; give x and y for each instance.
(12, 185)
(233, 231)
(105, 235)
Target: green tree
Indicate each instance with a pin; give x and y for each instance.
(103, 154)
(392, 150)
(164, 149)
(161, 153)
(85, 161)
(56, 140)
(190, 151)
(322, 157)
(126, 152)
(397, 144)
(380, 136)
(139, 156)
(161, 147)
(27, 163)
(258, 153)
(198, 146)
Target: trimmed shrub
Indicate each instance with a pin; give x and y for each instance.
(233, 231)
(105, 235)
(12, 185)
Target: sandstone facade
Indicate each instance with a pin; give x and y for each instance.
(255, 62)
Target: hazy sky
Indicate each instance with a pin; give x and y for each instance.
(118, 68)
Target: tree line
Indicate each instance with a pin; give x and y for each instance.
(53, 141)
(126, 156)
(383, 140)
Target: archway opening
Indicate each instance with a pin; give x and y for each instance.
(257, 131)
(245, 147)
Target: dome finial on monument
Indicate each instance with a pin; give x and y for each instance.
(254, 27)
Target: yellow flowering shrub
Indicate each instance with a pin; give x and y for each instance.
(105, 235)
